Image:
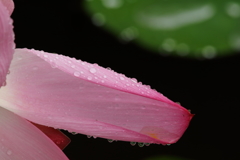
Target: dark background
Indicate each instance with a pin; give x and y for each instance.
(210, 88)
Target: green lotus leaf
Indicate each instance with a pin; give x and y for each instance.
(206, 28)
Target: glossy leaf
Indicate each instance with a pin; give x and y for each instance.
(179, 27)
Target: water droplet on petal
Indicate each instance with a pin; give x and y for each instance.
(89, 78)
(77, 74)
(19, 58)
(9, 152)
(134, 80)
(140, 144)
(88, 136)
(147, 144)
(133, 143)
(93, 70)
(53, 64)
(110, 140)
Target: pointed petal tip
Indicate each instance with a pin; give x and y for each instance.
(77, 103)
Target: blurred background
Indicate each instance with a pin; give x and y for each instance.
(209, 88)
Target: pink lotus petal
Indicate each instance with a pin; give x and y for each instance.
(62, 92)
(60, 139)
(8, 4)
(20, 140)
(6, 42)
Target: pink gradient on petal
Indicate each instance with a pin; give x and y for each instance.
(9, 5)
(21, 140)
(60, 139)
(61, 92)
(6, 42)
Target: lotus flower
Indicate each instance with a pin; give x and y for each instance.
(65, 93)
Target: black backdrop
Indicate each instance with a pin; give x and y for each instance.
(210, 88)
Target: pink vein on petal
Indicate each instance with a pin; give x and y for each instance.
(62, 92)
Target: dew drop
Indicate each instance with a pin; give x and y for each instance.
(46, 56)
(104, 76)
(19, 58)
(147, 144)
(112, 4)
(98, 19)
(89, 78)
(77, 74)
(133, 143)
(93, 70)
(233, 9)
(53, 64)
(134, 80)
(209, 52)
(140, 144)
(129, 33)
(88, 136)
(169, 45)
(110, 140)
(122, 78)
(235, 41)
(9, 152)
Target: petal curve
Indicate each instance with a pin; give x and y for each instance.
(6, 42)
(21, 140)
(61, 92)
(9, 4)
